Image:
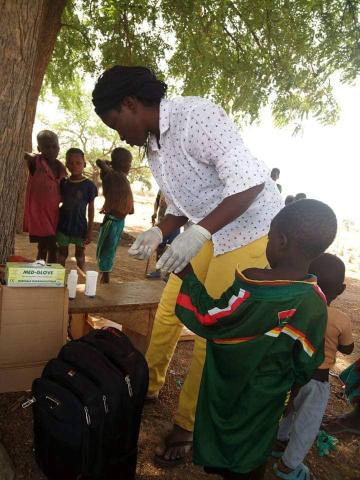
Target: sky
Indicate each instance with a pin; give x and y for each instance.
(323, 161)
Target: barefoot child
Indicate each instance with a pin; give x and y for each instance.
(118, 203)
(264, 334)
(78, 194)
(299, 428)
(42, 200)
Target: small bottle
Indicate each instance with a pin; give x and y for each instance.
(72, 282)
(90, 283)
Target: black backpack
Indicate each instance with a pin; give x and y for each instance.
(87, 409)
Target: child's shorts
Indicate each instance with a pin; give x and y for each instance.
(64, 240)
(50, 239)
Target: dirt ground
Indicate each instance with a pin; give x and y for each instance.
(16, 423)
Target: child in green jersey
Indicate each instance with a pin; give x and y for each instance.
(264, 334)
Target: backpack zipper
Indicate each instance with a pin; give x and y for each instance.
(106, 408)
(28, 402)
(128, 382)
(87, 416)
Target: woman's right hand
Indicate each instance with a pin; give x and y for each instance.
(146, 243)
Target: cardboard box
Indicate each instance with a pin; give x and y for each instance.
(33, 328)
(33, 274)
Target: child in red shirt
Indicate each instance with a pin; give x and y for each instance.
(43, 195)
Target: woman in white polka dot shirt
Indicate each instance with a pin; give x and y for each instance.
(209, 178)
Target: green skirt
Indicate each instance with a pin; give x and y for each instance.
(109, 238)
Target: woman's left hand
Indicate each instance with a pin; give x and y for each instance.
(183, 249)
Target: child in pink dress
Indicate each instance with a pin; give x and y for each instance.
(43, 195)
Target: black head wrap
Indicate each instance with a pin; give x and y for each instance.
(120, 81)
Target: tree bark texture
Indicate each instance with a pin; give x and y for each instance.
(28, 31)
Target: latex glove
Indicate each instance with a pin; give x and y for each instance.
(146, 243)
(183, 249)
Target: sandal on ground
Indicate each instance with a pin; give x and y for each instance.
(301, 472)
(163, 462)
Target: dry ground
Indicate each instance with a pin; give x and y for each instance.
(15, 427)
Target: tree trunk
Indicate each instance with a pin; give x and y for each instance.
(28, 31)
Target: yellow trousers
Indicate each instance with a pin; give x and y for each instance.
(217, 274)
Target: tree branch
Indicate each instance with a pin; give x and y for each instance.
(77, 29)
(253, 34)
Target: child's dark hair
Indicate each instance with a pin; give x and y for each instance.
(46, 134)
(310, 224)
(289, 199)
(121, 159)
(121, 81)
(328, 265)
(74, 151)
(330, 272)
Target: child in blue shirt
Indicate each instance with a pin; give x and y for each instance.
(77, 194)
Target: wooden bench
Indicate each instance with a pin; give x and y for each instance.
(131, 304)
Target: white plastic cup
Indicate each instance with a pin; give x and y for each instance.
(90, 283)
(71, 283)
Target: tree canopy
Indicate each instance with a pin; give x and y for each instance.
(243, 53)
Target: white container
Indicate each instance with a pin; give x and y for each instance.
(72, 282)
(90, 284)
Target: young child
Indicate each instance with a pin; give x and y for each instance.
(299, 428)
(78, 193)
(118, 203)
(264, 334)
(42, 199)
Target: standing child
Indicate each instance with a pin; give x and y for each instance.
(42, 199)
(118, 203)
(299, 428)
(78, 193)
(264, 334)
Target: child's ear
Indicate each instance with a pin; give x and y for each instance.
(283, 241)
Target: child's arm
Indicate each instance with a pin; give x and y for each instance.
(91, 210)
(30, 161)
(188, 270)
(346, 339)
(104, 167)
(209, 317)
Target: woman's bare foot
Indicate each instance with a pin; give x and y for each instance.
(177, 444)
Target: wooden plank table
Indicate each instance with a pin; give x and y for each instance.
(131, 304)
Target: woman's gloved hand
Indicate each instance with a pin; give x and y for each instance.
(146, 243)
(183, 249)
